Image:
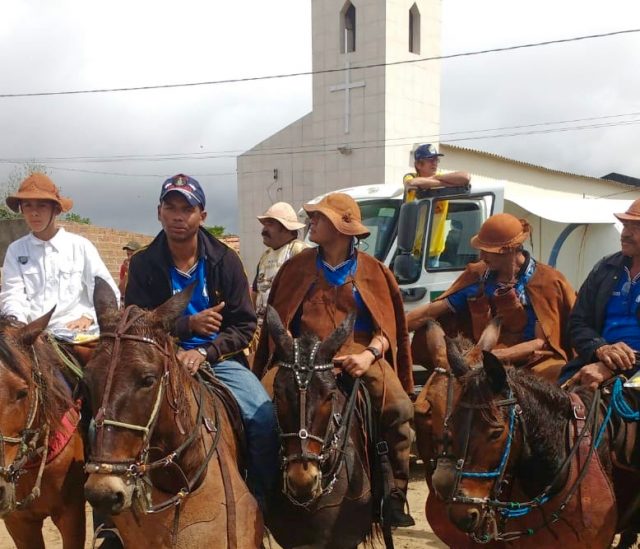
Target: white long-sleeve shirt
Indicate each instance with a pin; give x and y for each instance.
(39, 274)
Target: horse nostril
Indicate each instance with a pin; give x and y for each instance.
(473, 516)
(2, 492)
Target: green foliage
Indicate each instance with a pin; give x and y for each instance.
(12, 182)
(217, 230)
(76, 218)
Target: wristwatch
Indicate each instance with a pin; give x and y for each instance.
(202, 351)
(377, 354)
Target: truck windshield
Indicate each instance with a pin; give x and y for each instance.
(381, 218)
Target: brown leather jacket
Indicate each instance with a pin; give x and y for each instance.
(551, 295)
(378, 289)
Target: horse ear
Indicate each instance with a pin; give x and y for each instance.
(277, 331)
(496, 374)
(167, 313)
(104, 299)
(329, 347)
(29, 333)
(490, 335)
(456, 360)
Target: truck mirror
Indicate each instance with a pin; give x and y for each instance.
(407, 226)
(406, 268)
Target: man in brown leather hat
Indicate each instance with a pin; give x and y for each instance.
(533, 299)
(314, 291)
(604, 325)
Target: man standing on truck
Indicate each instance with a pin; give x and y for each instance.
(533, 299)
(426, 160)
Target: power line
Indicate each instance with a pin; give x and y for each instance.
(323, 147)
(325, 71)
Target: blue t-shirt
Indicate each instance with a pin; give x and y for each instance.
(458, 301)
(621, 315)
(199, 299)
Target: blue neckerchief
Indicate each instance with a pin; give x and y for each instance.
(199, 299)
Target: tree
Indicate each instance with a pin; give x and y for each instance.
(217, 230)
(77, 218)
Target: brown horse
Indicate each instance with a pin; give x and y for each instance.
(165, 456)
(517, 461)
(41, 451)
(326, 498)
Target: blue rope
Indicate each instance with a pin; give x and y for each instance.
(620, 405)
(516, 510)
(505, 454)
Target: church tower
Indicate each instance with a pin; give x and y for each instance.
(373, 100)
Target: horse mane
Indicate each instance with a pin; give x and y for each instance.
(54, 393)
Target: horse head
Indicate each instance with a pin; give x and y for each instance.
(309, 407)
(30, 402)
(132, 379)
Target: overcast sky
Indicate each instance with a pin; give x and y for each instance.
(70, 45)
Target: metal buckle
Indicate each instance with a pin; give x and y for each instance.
(303, 434)
(382, 448)
(576, 412)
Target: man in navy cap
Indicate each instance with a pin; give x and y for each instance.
(219, 321)
(426, 176)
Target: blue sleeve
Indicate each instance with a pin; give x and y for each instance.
(458, 300)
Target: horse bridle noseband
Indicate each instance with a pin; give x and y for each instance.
(335, 439)
(137, 468)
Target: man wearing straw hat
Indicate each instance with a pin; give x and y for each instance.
(49, 266)
(533, 300)
(604, 324)
(280, 228)
(315, 291)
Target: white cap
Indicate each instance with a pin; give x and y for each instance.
(283, 213)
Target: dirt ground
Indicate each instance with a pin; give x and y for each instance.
(420, 536)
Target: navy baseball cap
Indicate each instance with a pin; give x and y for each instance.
(424, 152)
(187, 186)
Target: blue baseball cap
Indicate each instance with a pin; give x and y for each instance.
(424, 152)
(187, 186)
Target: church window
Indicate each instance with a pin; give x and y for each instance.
(414, 29)
(348, 28)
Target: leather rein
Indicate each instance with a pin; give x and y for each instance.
(138, 468)
(336, 437)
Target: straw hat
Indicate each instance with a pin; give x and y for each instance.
(501, 233)
(632, 214)
(284, 214)
(343, 212)
(38, 187)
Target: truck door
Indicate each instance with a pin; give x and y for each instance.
(434, 243)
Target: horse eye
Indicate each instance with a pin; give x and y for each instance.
(148, 381)
(495, 434)
(22, 393)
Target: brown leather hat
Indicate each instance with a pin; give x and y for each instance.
(501, 233)
(632, 213)
(38, 187)
(343, 212)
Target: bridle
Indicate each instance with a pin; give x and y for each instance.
(137, 468)
(28, 442)
(498, 511)
(334, 442)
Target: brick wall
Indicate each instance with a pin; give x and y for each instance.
(109, 242)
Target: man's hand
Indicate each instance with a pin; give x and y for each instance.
(207, 322)
(424, 183)
(355, 365)
(591, 375)
(191, 360)
(80, 324)
(617, 356)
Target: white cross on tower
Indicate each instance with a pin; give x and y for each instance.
(347, 87)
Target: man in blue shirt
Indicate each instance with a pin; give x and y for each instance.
(219, 321)
(604, 325)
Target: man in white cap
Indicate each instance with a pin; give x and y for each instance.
(280, 228)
